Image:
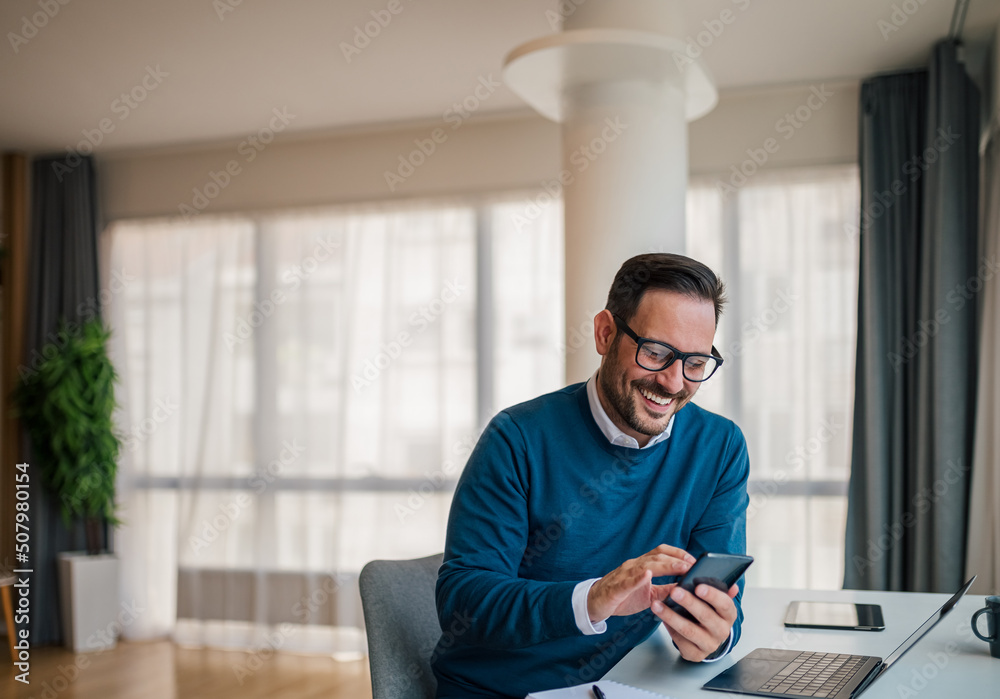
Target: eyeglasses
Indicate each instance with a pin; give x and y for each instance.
(653, 355)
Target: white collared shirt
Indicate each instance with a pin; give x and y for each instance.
(610, 429)
(614, 435)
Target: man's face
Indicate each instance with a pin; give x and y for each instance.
(638, 401)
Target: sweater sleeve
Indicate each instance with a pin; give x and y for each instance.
(723, 526)
(486, 539)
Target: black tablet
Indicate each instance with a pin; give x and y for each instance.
(834, 615)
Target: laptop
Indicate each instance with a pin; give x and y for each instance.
(768, 672)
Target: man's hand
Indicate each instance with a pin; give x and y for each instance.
(628, 589)
(715, 612)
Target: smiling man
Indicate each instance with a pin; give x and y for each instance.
(578, 510)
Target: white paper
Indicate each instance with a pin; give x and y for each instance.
(612, 690)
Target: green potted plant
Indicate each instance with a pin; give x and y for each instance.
(66, 405)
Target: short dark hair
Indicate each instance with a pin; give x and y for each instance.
(667, 271)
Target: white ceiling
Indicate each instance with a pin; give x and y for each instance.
(226, 75)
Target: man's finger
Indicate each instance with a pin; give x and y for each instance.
(688, 650)
(662, 564)
(660, 592)
(630, 583)
(720, 601)
(680, 628)
(698, 608)
(645, 578)
(717, 624)
(673, 551)
(691, 630)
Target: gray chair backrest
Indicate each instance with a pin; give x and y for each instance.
(402, 625)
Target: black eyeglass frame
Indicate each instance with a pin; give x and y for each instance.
(683, 356)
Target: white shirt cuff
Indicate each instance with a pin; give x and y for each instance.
(582, 615)
(729, 647)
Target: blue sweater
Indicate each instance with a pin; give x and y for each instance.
(545, 502)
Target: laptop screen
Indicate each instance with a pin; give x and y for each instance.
(925, 627)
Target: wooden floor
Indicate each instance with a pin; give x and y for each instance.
(161, 670)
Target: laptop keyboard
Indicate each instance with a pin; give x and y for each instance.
(815, 675)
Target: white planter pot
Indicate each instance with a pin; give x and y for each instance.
(88, 587)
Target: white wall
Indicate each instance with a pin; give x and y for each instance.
(745, 120)
(302, 171)
(486, 155)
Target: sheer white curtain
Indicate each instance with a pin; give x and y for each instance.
(300, 391)
(984, 506)
(527, 309)
(181, 393)
(783, 244)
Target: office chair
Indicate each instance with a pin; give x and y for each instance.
(402, 625)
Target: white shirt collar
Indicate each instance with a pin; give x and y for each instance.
(610, 429)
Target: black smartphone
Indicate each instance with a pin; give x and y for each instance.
(720, 570)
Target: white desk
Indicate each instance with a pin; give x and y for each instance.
(968, 671)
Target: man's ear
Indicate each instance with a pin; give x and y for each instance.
(604, 331)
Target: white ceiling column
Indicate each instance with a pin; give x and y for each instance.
(618, 80)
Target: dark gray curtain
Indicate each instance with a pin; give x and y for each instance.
(62, 283)
(917, 329)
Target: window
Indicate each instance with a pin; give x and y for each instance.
(301, 389)
(788, 336)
